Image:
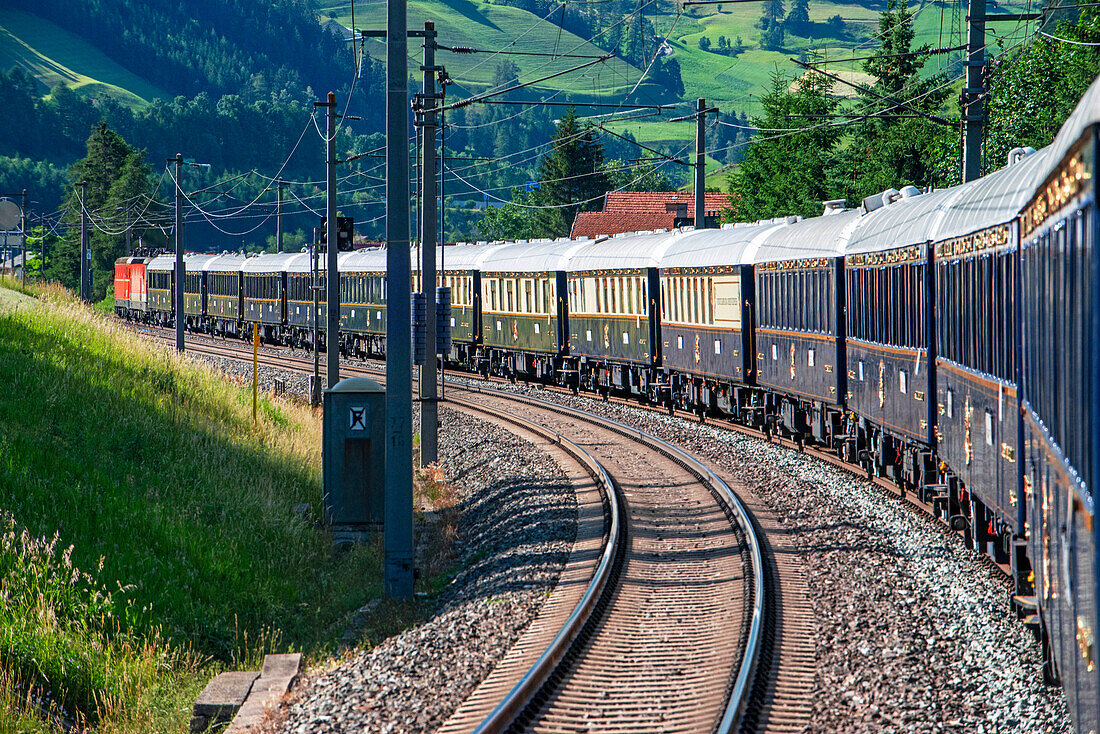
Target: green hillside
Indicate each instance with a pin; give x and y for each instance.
(478, 24)
(55, 56)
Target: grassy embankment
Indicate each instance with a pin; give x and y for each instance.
(148, 538)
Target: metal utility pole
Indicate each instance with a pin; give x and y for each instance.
(179, 274)
(429, 415)
(84, 253)
(398, 504)
(701, 111)
(279, 219)
(42, 229)
(23, 228)
(332, 277)
(315, 384)
(973, 106)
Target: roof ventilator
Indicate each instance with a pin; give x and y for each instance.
(1018, 154)
(908, 192)
(877, 201)
(834, 206)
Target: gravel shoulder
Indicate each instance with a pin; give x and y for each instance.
(913, 633)
(516, 527)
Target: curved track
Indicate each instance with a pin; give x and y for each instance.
(673, 640)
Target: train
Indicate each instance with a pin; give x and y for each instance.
(945, 340)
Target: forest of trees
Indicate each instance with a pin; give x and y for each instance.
(800, 162)
(241, 47)
(240, 108)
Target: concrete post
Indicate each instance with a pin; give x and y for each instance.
(429, 417)
(973, 112)
(84, 253)
(700, 163)
(179, 272)
(332, 329)
(399, 516)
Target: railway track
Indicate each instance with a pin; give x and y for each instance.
(670, 631)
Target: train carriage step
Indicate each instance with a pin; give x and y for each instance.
(1032, 622)
(1025, 604)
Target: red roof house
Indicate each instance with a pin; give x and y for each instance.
(635, 211)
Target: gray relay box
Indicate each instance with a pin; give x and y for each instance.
(354, 455)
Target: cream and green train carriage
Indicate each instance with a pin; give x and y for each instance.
(363, 301)
(614, 319)
(224, 305)
(195, 289)
(460, 270)
(524, 316)
(160, 289)
(264, 279)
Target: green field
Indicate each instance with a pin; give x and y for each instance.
(480, 25)
(55, 56)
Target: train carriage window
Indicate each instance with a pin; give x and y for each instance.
(866, 299)
(681, 311)
(643, 296)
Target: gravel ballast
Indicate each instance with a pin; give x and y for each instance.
(516, 528)
(913, 632)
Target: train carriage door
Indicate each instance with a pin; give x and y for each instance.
(837, 304)
(559, 306)
(748, 321)
(650, 293)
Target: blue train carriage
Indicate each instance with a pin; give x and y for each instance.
(523, 315)
(160, 289)
(891, 422)
(363, 301)
(264, 284)
(460, 270)
(976, 335)
(707, 294)
(224, 294)
(195, 289)
(614, 332)
(799, 329)
(1060, 397)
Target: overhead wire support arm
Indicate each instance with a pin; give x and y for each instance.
(865, 90)
(489, 95)
(625, 107)
(687, 3)
(646, 148)
(929, 52)
(1012, 17)
(468, 50)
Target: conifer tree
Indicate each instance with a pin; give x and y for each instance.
(117, 181)
(570, 176)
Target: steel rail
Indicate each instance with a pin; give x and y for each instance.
(738, 698)
(529, 685)
(517, 699)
